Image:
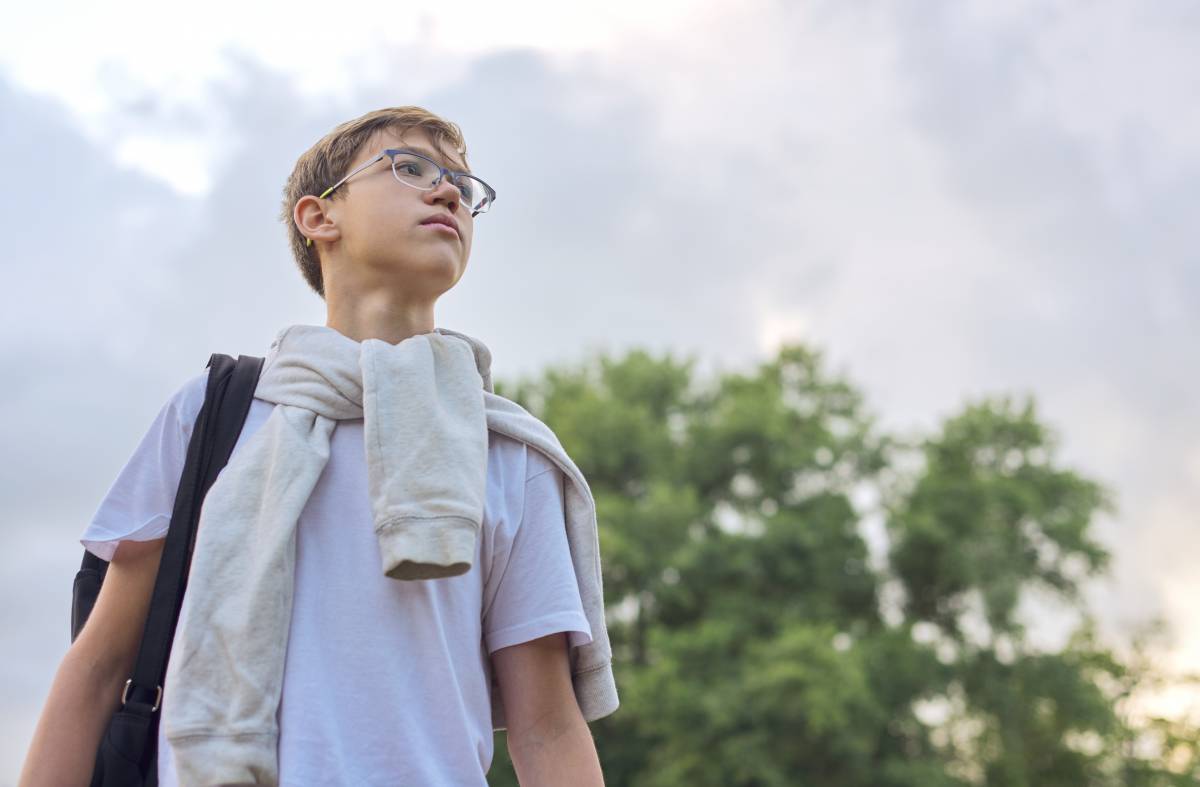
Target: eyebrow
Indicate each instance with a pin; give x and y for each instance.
(434, 156)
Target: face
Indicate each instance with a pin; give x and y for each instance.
(380, 219)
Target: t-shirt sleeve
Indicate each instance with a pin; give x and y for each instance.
(139, 503)
(532, 589)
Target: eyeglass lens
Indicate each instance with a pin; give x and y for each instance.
(420, 173)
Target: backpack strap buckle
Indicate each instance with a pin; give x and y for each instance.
(125, 695)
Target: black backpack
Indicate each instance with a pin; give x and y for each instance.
(127, 755)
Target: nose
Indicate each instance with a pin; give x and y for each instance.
(446, 192)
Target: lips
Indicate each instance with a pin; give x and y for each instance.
(446, 219)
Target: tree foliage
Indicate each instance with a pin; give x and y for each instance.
(759, 639)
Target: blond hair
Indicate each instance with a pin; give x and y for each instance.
(327, 161)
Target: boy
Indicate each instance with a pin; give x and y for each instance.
(390, 677)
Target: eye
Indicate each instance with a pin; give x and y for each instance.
(465, 187)
(410, 168)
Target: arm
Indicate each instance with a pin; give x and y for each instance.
(87, 687)
(548, 740)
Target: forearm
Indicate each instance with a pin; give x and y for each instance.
(556, 752)
(82, 698)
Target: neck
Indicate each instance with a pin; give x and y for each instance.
(378, 315)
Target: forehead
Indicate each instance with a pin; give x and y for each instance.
(412, 139)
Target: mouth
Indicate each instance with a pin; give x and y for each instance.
(442, 223)
(445, 229)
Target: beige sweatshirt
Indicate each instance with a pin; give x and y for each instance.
(432, 391)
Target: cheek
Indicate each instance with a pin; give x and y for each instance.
(467, 232)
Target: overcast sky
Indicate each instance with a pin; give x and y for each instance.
(951, 199)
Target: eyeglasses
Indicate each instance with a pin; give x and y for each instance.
(421, 172)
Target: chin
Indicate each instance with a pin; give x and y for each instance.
(451, 265)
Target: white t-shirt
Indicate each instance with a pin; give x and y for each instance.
(386, 682)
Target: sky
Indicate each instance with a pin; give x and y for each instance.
(951, 199)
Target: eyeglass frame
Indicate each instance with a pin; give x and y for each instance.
(442, 173)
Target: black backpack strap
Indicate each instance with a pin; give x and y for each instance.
(85, 589)
(231, 387)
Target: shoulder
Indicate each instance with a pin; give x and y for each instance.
(191, 392)
(187, 399)
(513, 419)
(526, 461)
(539, 466)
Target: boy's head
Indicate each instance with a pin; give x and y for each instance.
(374, 222)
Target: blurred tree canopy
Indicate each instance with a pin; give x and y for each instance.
(759, 642)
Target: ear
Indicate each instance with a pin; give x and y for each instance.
(313, 221)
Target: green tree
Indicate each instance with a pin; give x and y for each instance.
(754, 639)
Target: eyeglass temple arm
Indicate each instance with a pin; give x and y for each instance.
(328, 191)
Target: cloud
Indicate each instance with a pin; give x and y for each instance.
(1085, 195)
(81, 257)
